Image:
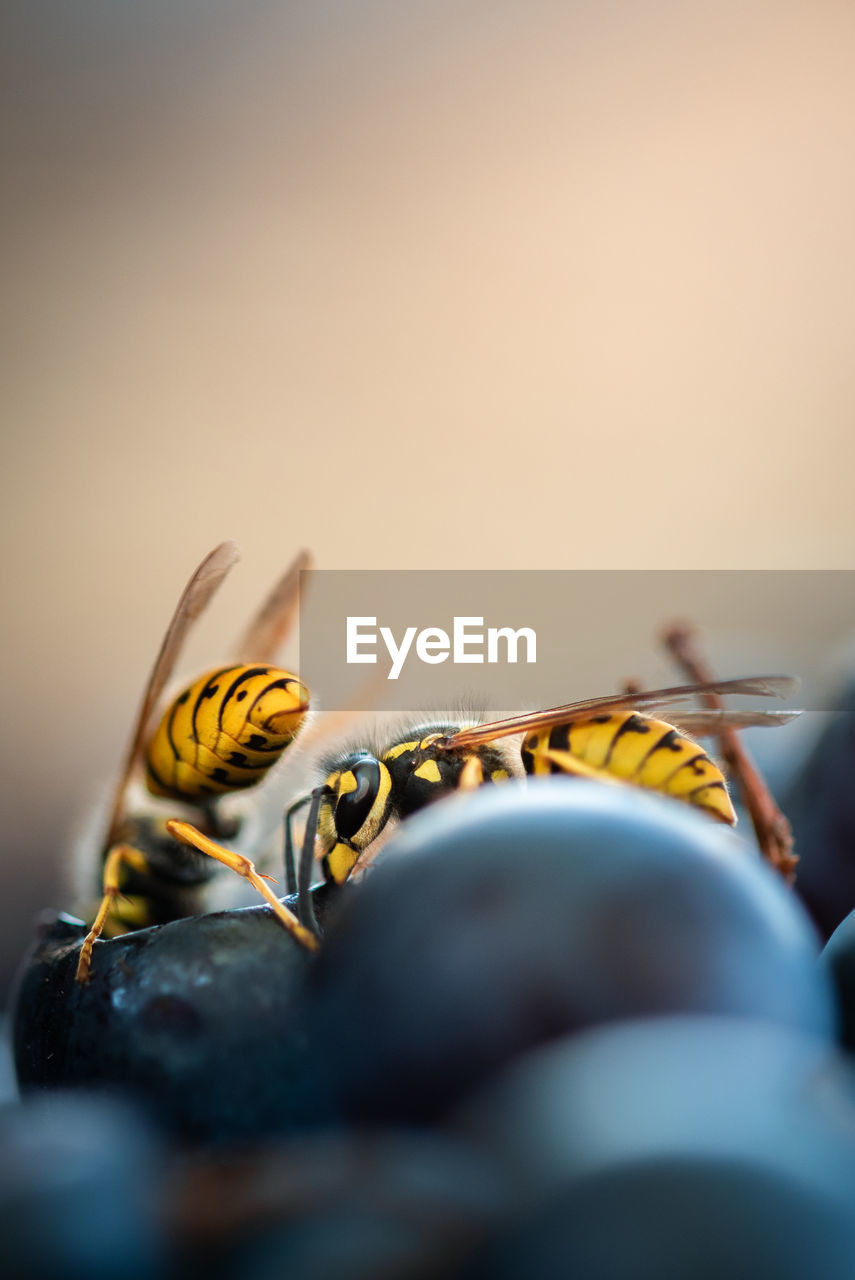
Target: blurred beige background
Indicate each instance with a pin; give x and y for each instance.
(520, 284)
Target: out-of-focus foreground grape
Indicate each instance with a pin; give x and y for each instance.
(561, 1028)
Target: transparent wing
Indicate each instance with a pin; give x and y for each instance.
(699, 723)
(274, 621)
(193, 602)
(650, 700)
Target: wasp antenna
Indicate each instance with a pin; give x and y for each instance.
(305, 906)
(290, 869)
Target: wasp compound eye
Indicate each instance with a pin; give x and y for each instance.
(358, 789)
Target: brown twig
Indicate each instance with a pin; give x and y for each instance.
(770, 826)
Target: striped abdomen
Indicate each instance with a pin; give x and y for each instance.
(636, 749)
(225, 731)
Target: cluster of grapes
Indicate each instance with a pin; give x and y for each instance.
(561, 1029)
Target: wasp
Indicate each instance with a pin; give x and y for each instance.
(219, 735)
(613, 739)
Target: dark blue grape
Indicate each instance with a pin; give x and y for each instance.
(725, 1086)
(78, 1179)
(820, 803)
(349, 1206)
(502, 919)
(675, 1218)
(197, 1020)
(838, 959)
(671, 1148)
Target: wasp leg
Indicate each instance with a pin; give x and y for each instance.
(121, 855)
(290, 869)
(471, 775)
(188, 834)
(568, 763)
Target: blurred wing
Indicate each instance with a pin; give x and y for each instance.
(194, 600)
(704, 722)
(274, 621)
(750, 686)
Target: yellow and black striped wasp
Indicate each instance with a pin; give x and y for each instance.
(219, 735)
(613, 739)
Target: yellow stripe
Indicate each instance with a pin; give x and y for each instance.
(692, 775)
(593, 743)
(590, 741)
(347, 783)
(716, 802)
(664, 762)
(399, 749)
(340, 862)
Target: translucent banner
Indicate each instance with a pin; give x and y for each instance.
(489, 642)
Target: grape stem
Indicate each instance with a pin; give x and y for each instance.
(771, 827)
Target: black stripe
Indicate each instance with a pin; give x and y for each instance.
(247, 673)
(152, 773)
(177, 703)
(273, 684)
(237, 760)
(259, 743)
(701, 755)
(173, 712)
(202, 697)
(704, 787)
(664, 743)
(633, 724)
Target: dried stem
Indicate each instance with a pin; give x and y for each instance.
(770, 825)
